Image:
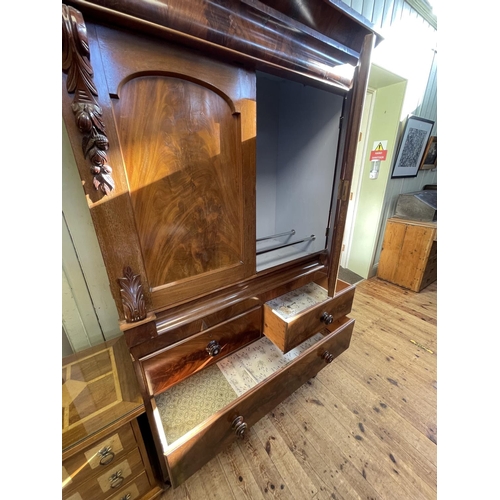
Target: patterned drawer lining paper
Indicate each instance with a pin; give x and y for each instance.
(189, 403)
(290, 304)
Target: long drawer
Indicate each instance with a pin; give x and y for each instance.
(168, 366)
(186, 454)
(82, 465)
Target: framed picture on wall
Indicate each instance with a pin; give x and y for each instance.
(412, 147)
(429, 159)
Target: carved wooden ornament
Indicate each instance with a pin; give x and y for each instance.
(88, 113)
(134, 305)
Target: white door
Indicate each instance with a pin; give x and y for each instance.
(356, 176)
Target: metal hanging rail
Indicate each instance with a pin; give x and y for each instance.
(292, 232)
(276, 247)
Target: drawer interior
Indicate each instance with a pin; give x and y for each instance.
(187, 405)
(291, 304)
(175, 363)
(291, 317)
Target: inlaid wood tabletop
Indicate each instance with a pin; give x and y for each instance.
(99, 389)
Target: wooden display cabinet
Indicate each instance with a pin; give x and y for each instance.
(409, 253)
(215, 142)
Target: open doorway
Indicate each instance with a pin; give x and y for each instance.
(355, 184)
(380, 122)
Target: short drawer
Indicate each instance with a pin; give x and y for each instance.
(283, 374)
(82, 465)
(173, 364)
(294, 316)
(135, 489)
(115, 476)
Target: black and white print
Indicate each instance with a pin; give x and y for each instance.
(412, 146)
(412, 151)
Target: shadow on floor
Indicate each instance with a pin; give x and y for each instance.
(349, 276)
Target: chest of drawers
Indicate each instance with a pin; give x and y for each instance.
(104, 455)
(205, 390)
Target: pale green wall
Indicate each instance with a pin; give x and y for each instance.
(89, 314)
(384, 126)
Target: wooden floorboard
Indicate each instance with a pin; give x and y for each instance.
(364, 428)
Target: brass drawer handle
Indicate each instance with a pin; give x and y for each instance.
(328, 356)
(239, 427)
(107, 456)
(326, 318)
(128, 496)
(116, 479)
(213, 348)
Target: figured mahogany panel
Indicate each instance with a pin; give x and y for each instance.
(179, 141)
(204, 239)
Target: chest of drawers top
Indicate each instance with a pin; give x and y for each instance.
(99, 394)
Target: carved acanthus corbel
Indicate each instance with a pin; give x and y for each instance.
(134, 305)
(88, 113)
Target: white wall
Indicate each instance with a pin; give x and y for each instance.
(409, 50)
(297, 140)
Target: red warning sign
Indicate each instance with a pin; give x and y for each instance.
(379, 151)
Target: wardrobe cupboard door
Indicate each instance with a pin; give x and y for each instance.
(184, 127)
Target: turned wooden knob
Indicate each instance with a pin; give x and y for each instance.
(239, 427)
(328, 357)
(327, 318)
(213, 348)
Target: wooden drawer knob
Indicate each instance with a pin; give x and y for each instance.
(213, 348)
(116, 479)
(239, 427)
(328, 357)
(107, 456)
(326, 318)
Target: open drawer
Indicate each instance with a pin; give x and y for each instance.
(292, 317)
(170, 365)
(200, 416)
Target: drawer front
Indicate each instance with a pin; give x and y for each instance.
(171, 365)
(217, 433)
(112, 479)
(98, 456)
(134, 489)
(287, 335)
